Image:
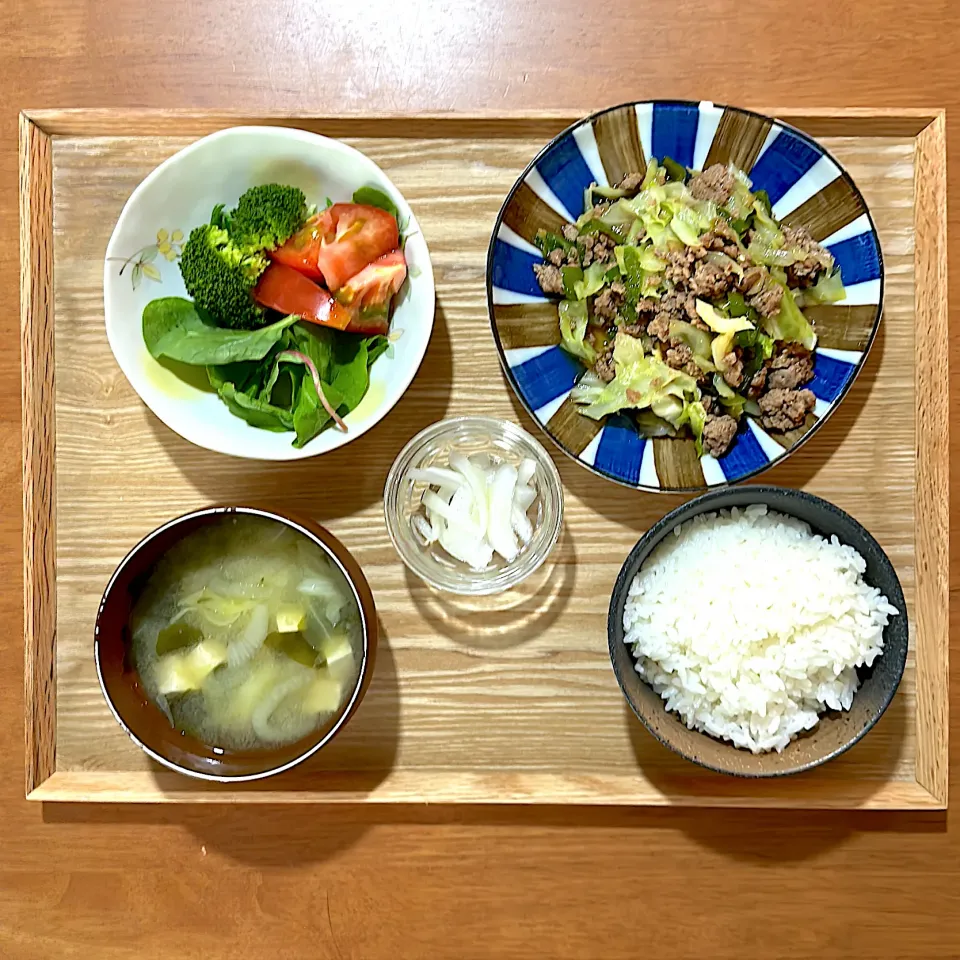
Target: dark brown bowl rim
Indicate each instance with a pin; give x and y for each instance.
(346, 710)
(702, 504)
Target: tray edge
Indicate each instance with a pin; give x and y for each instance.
(38, 443)
(36, 130)
(932, 504)
(456, 788)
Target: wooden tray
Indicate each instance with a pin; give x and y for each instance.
(509, 700)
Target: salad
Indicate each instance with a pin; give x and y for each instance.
(684, 297)
(289, 305)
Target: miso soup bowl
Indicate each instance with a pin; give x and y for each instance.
(143, 721)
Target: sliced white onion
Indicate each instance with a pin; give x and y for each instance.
(478, 484)
(476, 508)
(426, 530)
(500, 527)
(245, 646)
(437, 476)
(482, 462)
(448, 493)
(463, 521)
(525, 471)
(522, 526)
(470, 550)
(524, 497)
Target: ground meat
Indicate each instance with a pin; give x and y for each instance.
(631, 183)
(817, 259)
(722, 239)
(573, 257)
(678, 356)
(680, 306)
(674, 306)
(680, 265)
(557, 257)
(718, 434)
(752, 279)
(791, 368)
(549, 278)
(763, 293)
(733, 370)
(767, 300)
(659, 327)
(709, 402)
(711, 280)
(597, 248)
(715, 183)
(785, 409)
(569, 232)
(757, 382)
(604, 366)
(647, 307)
(608, 301)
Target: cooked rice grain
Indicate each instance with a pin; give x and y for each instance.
(750, 626)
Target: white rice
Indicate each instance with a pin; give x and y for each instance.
(749, 625)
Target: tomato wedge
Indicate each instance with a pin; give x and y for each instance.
(368, 294)
(353, 235)
(337, 243)
(361, 305)
(300, 251)
(289, 292)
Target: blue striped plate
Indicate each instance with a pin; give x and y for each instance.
(806, 186)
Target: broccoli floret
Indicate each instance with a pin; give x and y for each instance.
(219, 276)
(267, 216)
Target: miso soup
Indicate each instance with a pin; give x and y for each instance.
(247, 635)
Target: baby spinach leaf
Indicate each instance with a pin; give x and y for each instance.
(376, 346)
(309, 416)
(257, 412)
(374, 197)
(318, 343)
(173, 327)
(350, 378)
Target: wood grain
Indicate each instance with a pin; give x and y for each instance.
(115, 882)
(523, 679)
(39, 511)
(933, 465)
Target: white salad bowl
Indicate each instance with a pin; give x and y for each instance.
(141, 265)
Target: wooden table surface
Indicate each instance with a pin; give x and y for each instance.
(113, 882)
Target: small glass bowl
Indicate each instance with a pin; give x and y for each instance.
(504, 442)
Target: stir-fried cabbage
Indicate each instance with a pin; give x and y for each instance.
(640, 240)
(790, 324)
(573, 330)
(828, 289)
(641, 381)
(594, 277)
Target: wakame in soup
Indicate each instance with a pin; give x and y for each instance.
(247, 635)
